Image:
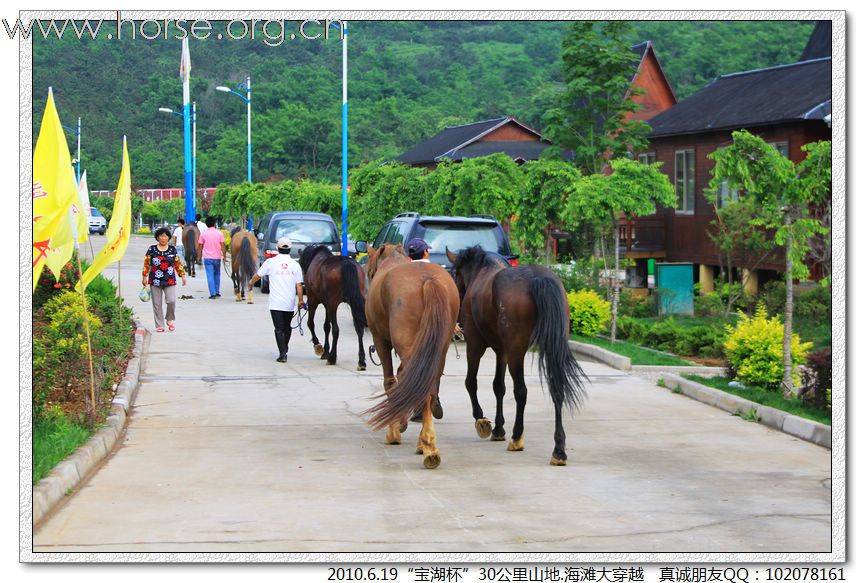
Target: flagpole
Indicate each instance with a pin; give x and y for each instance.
(86, 322)
(189, 187)
(345, 139)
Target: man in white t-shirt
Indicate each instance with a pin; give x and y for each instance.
(286, 292)
(177, 241)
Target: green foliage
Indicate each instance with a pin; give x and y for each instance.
(380, 191)
(813, 306)
(590, 116)
(546, 190)
(590, 313)
(668, 335)
(234, 201)
(754, 349)
(47, 286)
(817, 380)
(163, 211)
(637, 354)
(54, 438)
(105, 205)
(636, 306)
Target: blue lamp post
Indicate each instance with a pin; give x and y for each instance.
(78, 155)
(194, 170)
(247, 87)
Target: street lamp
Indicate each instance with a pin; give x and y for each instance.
(248, 99)
(77, 159)
(194, 170)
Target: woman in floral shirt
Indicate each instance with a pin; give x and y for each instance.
(162, 266)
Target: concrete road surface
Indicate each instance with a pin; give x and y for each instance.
(229, 451)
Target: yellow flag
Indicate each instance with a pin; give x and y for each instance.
(117, 234)
(81, 210)
(54, 193)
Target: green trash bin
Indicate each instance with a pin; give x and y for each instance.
(676, 288)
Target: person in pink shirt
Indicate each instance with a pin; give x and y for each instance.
(211, 247)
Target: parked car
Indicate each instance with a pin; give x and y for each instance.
(303, 228)
(96, 221)
(442, 232)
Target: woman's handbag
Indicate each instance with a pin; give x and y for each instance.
(144, 294)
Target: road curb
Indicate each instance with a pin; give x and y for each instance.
(70, 472)
(612, 359)
(794, 425)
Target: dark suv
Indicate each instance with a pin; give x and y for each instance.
(453, 233)
(303, 228)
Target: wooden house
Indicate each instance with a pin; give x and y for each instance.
(787, 105)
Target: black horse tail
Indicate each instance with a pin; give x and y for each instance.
(564, 377)
(352, 294)
(421, 375)
(189, 246)
(247, 261)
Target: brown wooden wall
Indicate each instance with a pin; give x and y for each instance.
(685, 234)
(658, 95)
(510, 132)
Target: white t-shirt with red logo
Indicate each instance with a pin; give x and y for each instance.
(283, 273)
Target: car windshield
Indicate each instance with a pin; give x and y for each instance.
(305, 231)
(94, 212)
(457, 237)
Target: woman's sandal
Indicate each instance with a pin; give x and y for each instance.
(171, 327)
(160, 329)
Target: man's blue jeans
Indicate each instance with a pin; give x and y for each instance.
(211, 267)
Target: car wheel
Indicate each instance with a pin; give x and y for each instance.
(102, 232)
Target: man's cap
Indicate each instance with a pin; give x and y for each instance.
(283, 243)
(417, 246)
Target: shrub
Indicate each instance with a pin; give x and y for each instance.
(630, 304)
(627, 328)
(48, 287)
(817, 380)
(815, 304)
(143, 231)
(755, 350)
(580, 274)
(590, 313)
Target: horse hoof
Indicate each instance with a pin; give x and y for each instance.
(236, 299)
(319, 349)
(554, 461)
(392, 440)
(518, 445)
(498, 435)
(418, 450)
(483, 427)
(361, 367)
(432, 461)
(250, 302)
(331, 362)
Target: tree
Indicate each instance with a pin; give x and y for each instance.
(633, 189)
(547, 184)
(787, 192)
(733, 233)
(590, 117)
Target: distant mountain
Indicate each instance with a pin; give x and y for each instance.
(407, 80)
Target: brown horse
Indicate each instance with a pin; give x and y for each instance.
(330, 280)
(510, 309)
(189, 237)
(244, 249)
(411, 308)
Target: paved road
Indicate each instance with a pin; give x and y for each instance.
(229, 451)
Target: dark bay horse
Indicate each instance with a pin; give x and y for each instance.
(510, 309)
(330, 280)
(189, 237)
(411, 308)
(244, 250)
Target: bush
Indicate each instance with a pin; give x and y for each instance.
(590, 313)
(581, 274)
(670, 336)
(817, 380)
(755, 350)
(48, 287)
(630, 304)
(143, 231)
(627, 328)
(815, 304)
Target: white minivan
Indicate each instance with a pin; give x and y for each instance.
(96, 221)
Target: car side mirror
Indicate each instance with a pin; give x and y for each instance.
(360, 246)
(260, 236)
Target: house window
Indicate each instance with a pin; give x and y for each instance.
(782, 147)
(726, 194)
(647, 158)
(685, 181)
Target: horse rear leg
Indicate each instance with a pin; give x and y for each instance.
(384, 348)
(516, 367)
(331, 315)
(473, 358)
(426, 441)
(235, 281)
(325, 354)
(499, 391)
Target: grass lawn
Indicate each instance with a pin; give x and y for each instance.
(767, 398)
(637, 354)
(53, 440)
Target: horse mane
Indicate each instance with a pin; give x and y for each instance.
(235, 230)
(309, 253)
(476, 258)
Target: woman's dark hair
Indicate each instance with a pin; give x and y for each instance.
(161, 231)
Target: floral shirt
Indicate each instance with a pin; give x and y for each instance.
(162, 268)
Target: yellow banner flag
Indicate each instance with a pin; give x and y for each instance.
(81, 210)
(117, 234)
(54, 192)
